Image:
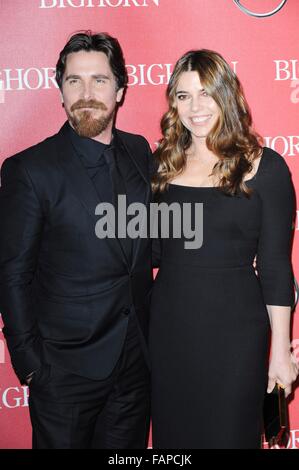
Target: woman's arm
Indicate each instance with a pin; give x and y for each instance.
(274, 266)
(283, 365)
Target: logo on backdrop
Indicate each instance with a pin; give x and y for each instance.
(259, 15)
(34, 78)
(288, 70)
(286, 145)
(97, 3)
(14, 397)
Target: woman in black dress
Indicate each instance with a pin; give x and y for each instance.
(211, 311)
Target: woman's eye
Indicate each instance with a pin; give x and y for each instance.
(182, 97)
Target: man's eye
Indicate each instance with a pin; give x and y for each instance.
(73, 80)
(100, 80)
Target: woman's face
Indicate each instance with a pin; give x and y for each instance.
(197, 110)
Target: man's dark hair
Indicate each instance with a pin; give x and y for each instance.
(101, 42)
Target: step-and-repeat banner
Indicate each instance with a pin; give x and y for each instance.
(259, 38)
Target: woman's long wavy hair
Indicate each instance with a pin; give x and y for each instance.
(232, 139)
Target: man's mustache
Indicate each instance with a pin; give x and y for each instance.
(89, 104)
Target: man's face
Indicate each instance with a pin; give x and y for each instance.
(90, 93)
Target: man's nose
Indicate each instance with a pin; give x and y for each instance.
(87, 93)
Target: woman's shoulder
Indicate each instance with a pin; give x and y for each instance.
(272, 159)
(273, 173)
(272, 165)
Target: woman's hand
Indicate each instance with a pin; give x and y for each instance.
(283, 369)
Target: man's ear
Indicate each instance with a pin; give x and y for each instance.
(61, 99)
(119, 95)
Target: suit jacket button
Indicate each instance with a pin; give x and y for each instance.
(127, 311)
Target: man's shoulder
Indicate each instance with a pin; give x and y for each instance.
(31, 152)
(41, 151)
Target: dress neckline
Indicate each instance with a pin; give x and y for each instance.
(218, 187)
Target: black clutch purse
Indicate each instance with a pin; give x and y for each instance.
(276, 426)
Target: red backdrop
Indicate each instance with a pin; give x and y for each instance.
(153, 34)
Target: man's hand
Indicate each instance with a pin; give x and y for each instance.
(29, 377)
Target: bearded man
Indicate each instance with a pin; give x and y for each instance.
(75, 305)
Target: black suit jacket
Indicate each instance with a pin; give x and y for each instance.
(65, 294)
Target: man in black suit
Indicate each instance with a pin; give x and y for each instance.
(74, 304)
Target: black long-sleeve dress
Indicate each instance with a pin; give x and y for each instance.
(209, 327)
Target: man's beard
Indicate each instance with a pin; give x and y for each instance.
(85, 125)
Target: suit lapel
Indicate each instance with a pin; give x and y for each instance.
(86, 191)
(143, 195)
(134, 158)
(81, 183)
